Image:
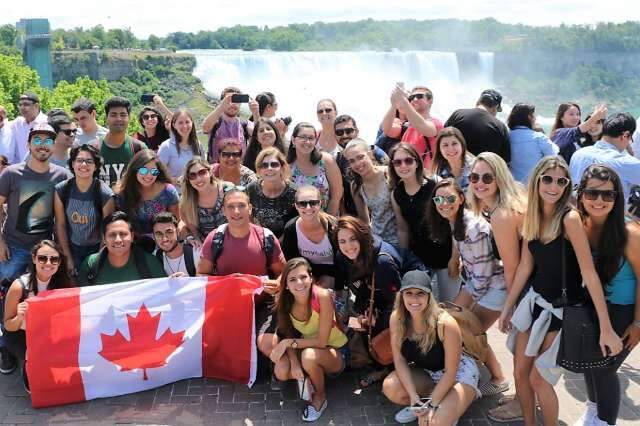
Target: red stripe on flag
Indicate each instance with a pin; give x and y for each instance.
(53, 340)
(227, 333)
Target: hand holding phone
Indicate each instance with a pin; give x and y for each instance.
(240, 98)
(420, 406)
(147, 98)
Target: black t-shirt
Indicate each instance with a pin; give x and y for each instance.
(482, 132)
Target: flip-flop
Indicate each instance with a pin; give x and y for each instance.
(489, 388)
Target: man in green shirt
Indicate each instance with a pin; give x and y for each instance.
(119, 260)
(116, 147)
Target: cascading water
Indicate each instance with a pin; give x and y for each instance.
(359, 82)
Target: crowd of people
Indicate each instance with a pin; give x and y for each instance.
(356, 241)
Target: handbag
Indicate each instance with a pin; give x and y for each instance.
(579, 349)
(380, 345)
(305, 389)
(474, 339)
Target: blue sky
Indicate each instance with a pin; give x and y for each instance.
(161, 17)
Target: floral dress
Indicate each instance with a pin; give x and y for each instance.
(319, 181)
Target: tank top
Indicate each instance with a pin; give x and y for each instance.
(318, 254)
(433, 360)
(319, 181)
(383, 219)
(621, 290)
(209, 218)
(309, 328)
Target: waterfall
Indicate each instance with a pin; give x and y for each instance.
(359, 82)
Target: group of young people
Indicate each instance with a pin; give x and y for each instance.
(354, 241)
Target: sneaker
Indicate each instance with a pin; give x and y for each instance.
(589, 416)
(405, 416)
(277, 385)
(310, 414)
(8, 363)
(489, 388)
(506, 413)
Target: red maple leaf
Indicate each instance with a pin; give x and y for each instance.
(143, 350)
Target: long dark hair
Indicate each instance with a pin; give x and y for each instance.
(363, 235)
(519, 115)
(613, 240)
(254, 147)
(59, 280)
(193, 137)
(410, 151)
(557, 123)
(439, 162)
(439, 228)
(285, 300)
(315, 156)
(161, 131)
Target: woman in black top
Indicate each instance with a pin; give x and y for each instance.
(412, 192)
(424, 335)
(265, 135)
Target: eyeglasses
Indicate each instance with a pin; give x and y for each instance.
(561, 181)
(306, 138)
(325, 110)
(345, 131)
(87, 161)
(440, 199)
(417, 96)
(270, 164)
(39, 141)
(409, 161)
(42, 259)
(225, 154)
(199, 173)
(487, 178)
(359, 158)
(149, 116)
(169, 233)
(69, 132)
(608, 196)
(307, 203)
(143, 171)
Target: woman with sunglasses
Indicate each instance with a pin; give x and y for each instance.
(451, 158)
(411, 193)
(484, 290)
(372, 195)
(79, 204)
(615, 244)
(568, 132)
(272, 196)
(46, 271)
(230, 168)
(183, 145)
(145, 190)
(265, 135)
(552, 231)
(308, 235)
(310, 166)
(310, 343)
(201, 200)
(326, 138)
(154, 131)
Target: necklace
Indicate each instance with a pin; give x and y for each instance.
(173, 271)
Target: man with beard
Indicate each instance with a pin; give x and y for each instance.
(30, 115)
(178, 259)
(27, 189)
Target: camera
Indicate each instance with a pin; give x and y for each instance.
(286, 120)
(634, 201)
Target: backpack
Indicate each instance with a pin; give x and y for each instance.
(214, 130)
(138, 258)
(268, 243)
(96, 194)
(187, 250)
(474, 340)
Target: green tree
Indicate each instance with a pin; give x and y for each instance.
(65, 94)
(8, 34)
(154, 42)
(15, 79)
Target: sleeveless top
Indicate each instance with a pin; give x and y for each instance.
(383, 219)
(433, 360)
(309, 328)
(621, 290)
(319, 181)
(209, 218)
(317, 253)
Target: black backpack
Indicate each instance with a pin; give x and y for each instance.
(268, 243)
(138, 258)
(214, 130)
(189, 263)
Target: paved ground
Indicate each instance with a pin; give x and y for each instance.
(206, 401)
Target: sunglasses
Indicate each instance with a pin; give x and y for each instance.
(69, 132)
(417, 96)
(149, 116)
(440, 199)
(409, 161)
(561, 181)
(326, 110)
(345, 131)
(39, 141)
(608, 196)
(87, 161)
(199, 173)
(270, 164)
(143, 171)
(240, 188)
(487, 178)
(224, 154)
(307, 203)
(42, 259)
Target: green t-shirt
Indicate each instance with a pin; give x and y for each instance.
(107, 274)
(115, 160)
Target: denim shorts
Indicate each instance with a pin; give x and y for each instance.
(345, 353)
(467, 373)
(493, 299)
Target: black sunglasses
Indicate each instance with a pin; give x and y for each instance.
(608, 196)
(417, 96)
(69, 132)
(42, 259)
(149, 116)
(224, 154)
(307, 203)
(347, 131)
(270, 164)
(325, 110)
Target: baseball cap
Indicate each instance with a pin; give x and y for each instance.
(491, 98)
(30, 96)
(416, 279)
(42, 128)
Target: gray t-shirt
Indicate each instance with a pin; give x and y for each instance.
(29, 203)
(85, 138)
(80, 213)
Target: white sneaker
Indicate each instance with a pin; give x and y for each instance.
(588, 417)
(405, 416)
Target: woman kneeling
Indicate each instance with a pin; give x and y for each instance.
(306, 310)
(425, 335)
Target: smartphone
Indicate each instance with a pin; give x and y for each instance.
(238, 98)
(420, 405)
(354, 323)
(147, 98)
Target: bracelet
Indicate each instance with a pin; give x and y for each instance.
(636, 323)
(432, 407)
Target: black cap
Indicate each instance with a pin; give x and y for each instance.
(491, 98)
(30, 96)
(416, 279)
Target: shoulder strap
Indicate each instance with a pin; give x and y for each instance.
(94, 268)
(187, 250)
(159, 256)
(141, 264)
(216, 244)
(212, 138)
(66, 191)
(97, 199)
(244, 124)
(25, 288)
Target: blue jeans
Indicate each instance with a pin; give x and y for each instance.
(9, 271)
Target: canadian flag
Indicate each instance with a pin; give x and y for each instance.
(94, 342)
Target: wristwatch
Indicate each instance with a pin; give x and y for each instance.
(294, 344)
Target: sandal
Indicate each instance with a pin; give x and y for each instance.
(373, 377)
(489, 388)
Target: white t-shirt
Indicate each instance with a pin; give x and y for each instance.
(318, 254)
(636, 140)
(21, 129)
(171, 266)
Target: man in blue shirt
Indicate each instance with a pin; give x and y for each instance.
(611, 150)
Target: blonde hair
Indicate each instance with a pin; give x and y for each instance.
(532, 225)
(510, 194)
(189, 200)
(274, 152)
(429, 316)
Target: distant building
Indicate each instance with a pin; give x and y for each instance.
(35, 40)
